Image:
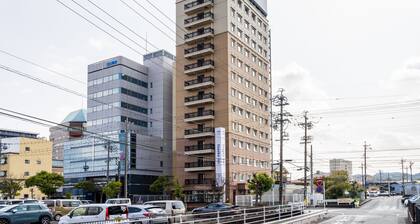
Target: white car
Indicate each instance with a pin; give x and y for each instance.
(119, 201)
(171, 207)
(96, 213)
(147, 214)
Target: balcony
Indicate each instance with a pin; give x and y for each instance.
(199, 51)
(199, 132)
(198, 5)
(199, 99)
(199, 35)
(199, 20)
(201, 66)
(199, 116)
(199, 83)
(199, 149)
(205, 181)
(199, 166)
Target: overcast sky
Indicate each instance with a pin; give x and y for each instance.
(327, 55)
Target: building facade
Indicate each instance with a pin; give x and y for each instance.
(341, 165)
(129, 110)
(223, 79)
(23, 158)
(5, 133)
(72, 128)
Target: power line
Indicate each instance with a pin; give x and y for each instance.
(42, 67)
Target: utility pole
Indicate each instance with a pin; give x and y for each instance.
(402, 176)
(312, 176)
(108, 148)
(411, 171)
(126, 159)
(306, 139)
(362, 180)
(365, 146)
(380, 177)
(279, 121)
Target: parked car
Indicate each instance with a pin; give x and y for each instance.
(25, 213)
(214, 207)
(96, 213)
(373, 193)
(143, 213)
(405, 197)
(3, 202)
(384, 193)
(86, 202)
(119, 201)
(21, 201)
(171, 207)
(61, 207)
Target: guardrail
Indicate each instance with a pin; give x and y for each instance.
(266, 214)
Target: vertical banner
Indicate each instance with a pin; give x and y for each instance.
(220, 157)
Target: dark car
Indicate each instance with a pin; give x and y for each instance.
(404, 197)
(25, 213)
(214, 207)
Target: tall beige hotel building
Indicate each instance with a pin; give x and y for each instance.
(222, 81)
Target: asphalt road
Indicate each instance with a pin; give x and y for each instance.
(380, 210)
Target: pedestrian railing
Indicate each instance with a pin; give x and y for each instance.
(252, 215)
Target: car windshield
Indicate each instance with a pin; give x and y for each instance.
(7, 208)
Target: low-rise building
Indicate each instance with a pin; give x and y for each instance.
(22, 158)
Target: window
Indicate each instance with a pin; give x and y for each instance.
(239, 63)
(161, 163)
(26, 174)
(239, 18)
(232, 12)
(233, 75)
(151, 84)
(232, 27)
(246, 24)
(239, 33)
(232, 43)
(27, 149)
(27, 161)
(234, 142)
(247, 39)
(233, 59)
(151, 98)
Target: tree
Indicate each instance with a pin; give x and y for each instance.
(46, 182)
(336, 185)
(112, 189)
(162, 185)
(87, 186)
(10, 187)
(178, 191)
(259, 184)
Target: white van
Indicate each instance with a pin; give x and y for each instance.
(119, 201)
(172, 207)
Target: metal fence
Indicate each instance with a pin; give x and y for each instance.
(140, 199)
(267, 199)
(254, 215)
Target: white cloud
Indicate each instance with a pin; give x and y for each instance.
(405, 80)
(300, 87)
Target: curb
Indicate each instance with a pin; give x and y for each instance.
(365, 201)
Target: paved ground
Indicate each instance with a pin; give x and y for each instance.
(381, 210)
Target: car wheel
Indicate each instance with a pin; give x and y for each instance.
(4, 221)
(57, 217)
(45, 220)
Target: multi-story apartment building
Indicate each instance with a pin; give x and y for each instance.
(222, 80)
(341, 165)
(127, 103)
(22, 158)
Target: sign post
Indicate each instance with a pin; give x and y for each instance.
(220, 160)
